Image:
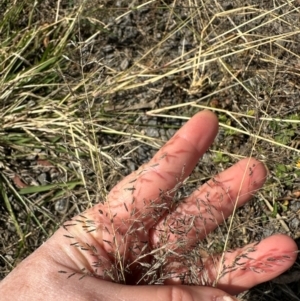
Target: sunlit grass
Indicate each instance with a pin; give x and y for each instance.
(61, 97)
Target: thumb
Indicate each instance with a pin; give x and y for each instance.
(108, 291)
(174, 293)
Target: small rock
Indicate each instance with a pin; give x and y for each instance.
(294, 223)
(295, 205)
(125, 63)
(61, 206)
(42, 178)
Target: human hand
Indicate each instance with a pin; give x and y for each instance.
(139, 235)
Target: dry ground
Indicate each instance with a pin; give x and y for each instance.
(91, 89)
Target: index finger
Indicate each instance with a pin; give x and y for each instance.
(118, 229)
(148, 190)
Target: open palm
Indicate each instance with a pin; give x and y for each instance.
(141, 235)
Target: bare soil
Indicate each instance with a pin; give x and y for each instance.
(130, 60)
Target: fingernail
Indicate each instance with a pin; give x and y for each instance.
(225, 298)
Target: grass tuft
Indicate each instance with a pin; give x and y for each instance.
(90, 90)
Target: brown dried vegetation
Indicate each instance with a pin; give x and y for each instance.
(94, 88)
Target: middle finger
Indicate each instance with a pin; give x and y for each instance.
(210, 205)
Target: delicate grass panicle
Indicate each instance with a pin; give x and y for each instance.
(89, 90)
(128, 255)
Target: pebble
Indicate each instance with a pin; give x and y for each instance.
(61, 206)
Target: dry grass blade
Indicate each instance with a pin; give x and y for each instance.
(90, 90)
(11, 212)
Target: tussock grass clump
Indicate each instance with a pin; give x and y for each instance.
(89, 91)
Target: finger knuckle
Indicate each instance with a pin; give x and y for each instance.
(178, 293)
